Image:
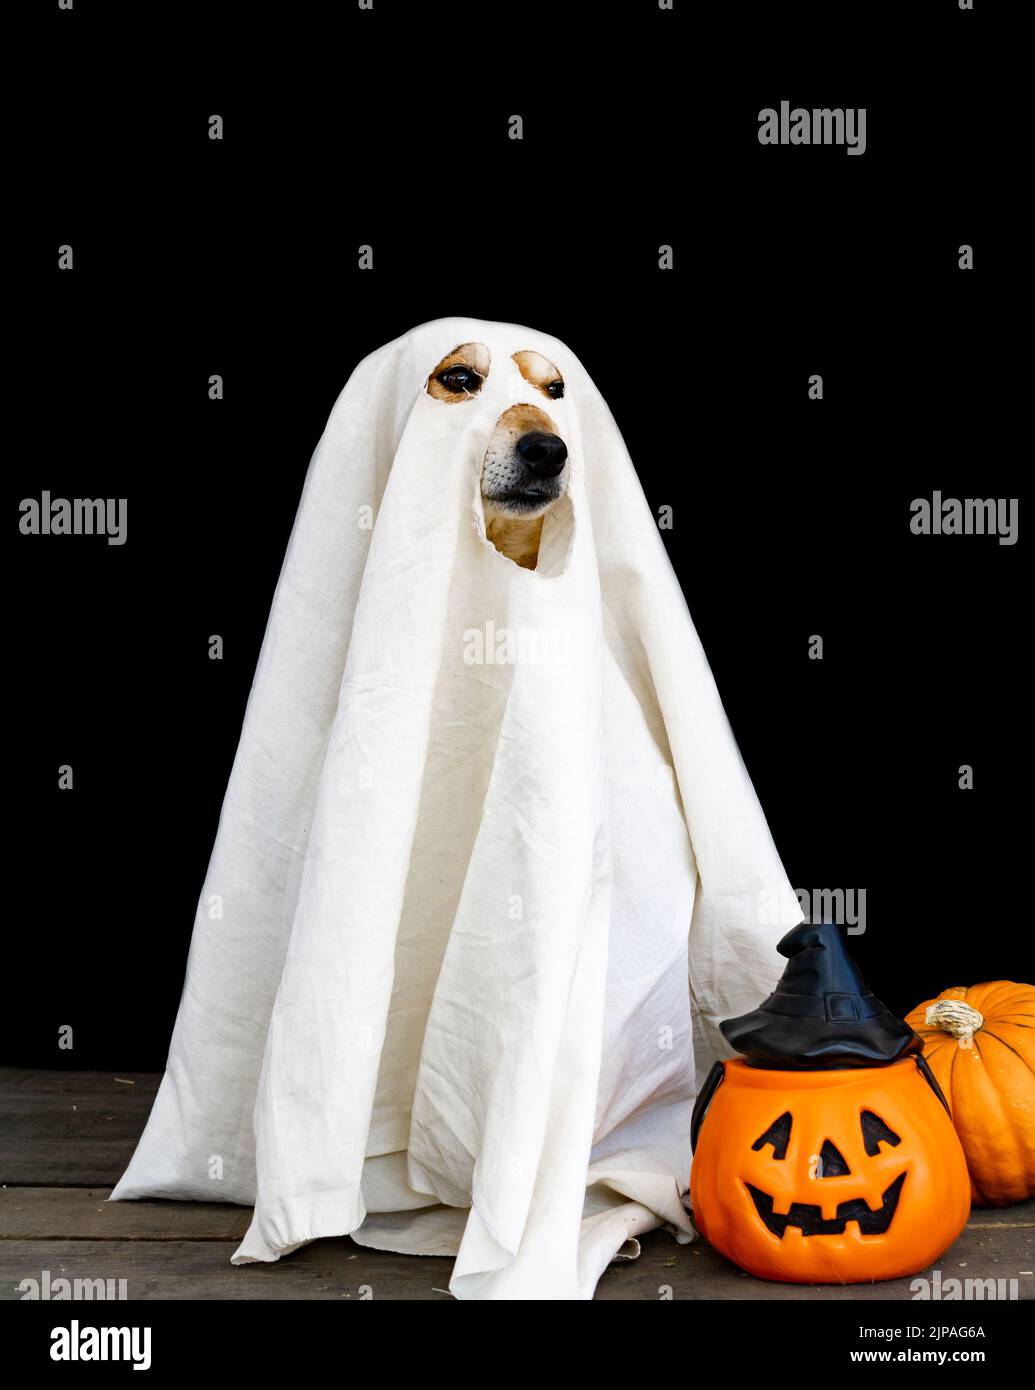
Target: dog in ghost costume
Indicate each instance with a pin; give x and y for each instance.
(490, 866)
(524, 469)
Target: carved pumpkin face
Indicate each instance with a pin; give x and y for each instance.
(829, 1176)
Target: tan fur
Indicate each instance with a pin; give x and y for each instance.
(537, 370)
(516, 538)
(523, 419)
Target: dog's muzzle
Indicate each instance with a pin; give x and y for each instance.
(524, 469)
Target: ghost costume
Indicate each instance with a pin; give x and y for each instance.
(489, 870)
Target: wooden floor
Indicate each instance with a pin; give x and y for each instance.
(66, 1137)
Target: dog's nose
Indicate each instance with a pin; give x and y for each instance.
(544, 454)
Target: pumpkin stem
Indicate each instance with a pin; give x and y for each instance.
(955, 1017)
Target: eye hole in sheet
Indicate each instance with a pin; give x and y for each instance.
(460, 375)
(541, 373)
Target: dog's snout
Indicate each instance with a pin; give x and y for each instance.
(543, 454)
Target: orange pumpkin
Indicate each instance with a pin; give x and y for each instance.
(831, 1176)
(980, 1044)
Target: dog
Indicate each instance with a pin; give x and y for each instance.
(525, 468)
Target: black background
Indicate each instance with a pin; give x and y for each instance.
(239, 257)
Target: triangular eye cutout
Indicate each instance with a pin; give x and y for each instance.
(831, 1162)
(875, 1133)
(778, 1134)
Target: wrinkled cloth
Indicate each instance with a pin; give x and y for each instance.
(489, 870)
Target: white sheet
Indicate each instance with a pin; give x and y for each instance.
(437, 993)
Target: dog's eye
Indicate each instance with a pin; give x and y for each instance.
(460, 379)
(555, 389)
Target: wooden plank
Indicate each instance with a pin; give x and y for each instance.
(340, 1269)
(71, 1128)
(328, 1269)
(74, 1213)
(79, 1129)
(84, 1213)
(1004, 1218)
(698, 1272)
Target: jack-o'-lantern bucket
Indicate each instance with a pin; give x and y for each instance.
(827, 1154)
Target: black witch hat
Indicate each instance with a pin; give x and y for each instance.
(821, 1014)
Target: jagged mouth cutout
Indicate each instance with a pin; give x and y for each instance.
(556, 542)
(807, 1217)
